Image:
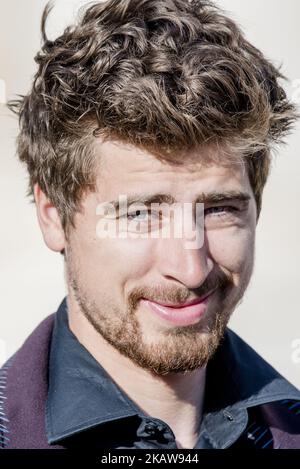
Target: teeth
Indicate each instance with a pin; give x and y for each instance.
(172, 306)
(161, 308)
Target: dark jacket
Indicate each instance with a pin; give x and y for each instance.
(24, 390)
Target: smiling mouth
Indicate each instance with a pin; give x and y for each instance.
(183, 315)
(183, 305)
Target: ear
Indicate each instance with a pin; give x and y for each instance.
(49, 221)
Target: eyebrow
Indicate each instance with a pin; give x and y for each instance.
(204, 197)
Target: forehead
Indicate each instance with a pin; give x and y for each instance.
(125, 168)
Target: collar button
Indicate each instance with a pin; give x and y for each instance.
(228, 415)
(150, 428)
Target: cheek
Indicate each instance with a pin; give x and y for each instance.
(132, 258)
(114, 261)
(231, 248)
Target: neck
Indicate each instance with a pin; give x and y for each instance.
(176, 398)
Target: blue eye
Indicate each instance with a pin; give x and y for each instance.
(138, 215)
(220, 211)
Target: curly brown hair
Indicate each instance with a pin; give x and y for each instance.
(168, 76)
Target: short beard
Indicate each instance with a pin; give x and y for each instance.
(178, 349)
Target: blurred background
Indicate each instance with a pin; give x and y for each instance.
(31, 276)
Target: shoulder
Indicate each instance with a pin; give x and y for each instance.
(25, 381)
(36, 343)
(255, 376)
(265, 393)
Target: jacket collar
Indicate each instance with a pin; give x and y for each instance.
(82, 395)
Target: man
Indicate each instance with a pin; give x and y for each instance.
(161, 102)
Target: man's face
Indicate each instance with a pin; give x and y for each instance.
(110, 278)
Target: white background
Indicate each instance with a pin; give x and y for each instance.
(31, 276)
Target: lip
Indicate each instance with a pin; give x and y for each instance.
(183, 305)
(180, 316)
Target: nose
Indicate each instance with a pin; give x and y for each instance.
(187, 266)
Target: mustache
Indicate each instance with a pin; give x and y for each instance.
(215, 280)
